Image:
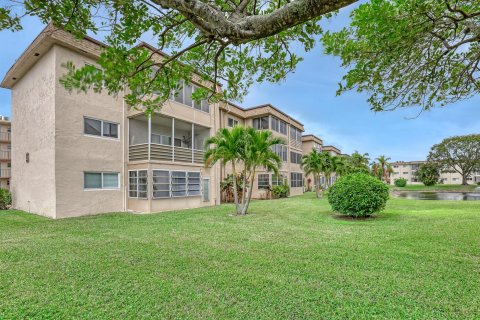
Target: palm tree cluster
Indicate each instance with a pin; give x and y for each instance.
(382, 169)
(324, 164)
(245, 150)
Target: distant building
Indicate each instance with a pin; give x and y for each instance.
(407, 170)
(5, 152)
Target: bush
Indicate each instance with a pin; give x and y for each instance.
(281, 191)
(400, 182)
(5, 199)
(358, 195)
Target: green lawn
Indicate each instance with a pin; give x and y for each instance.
(288, 259)
(438, 187)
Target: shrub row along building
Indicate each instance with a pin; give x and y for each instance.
(77, 154)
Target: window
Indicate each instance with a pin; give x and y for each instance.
(101, 180)
(278, 125)
(405, 172)
(281, 150)
(278, 180)
(137, 184)
(296, 179)
(193, 183)
(260, 123)
(161, 139)
(295, 135)
(232, 122)
(161, 184)
(100, 128)
(263, 181)
(184, 95)
(179, 183)
(295, 157)
(168, 184)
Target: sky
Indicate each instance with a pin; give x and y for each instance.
(309, 95)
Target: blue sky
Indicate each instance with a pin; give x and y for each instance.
(309, 96)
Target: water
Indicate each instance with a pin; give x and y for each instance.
(430, 195)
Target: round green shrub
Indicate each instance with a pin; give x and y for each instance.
(5, 199)
(400, 182)
(358, 195)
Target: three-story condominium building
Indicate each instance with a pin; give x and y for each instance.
(408, 169)
(5, 152)
(86, 153)
(268, 117)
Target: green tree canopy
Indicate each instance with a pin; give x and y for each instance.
(458, 154)
(235, 43)
(410, 52)
(428, 173)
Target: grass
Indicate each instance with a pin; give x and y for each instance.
(438, 187)
(288, 259)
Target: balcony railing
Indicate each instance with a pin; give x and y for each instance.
(162, 152)
(5, 155)
(5, 173)
(5, 136)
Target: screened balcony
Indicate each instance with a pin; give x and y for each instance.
(166, 139)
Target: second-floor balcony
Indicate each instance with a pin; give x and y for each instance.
(166, 139)
(5, 155)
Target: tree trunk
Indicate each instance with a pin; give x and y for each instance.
(317, 187)
(464, 180)
(245, 180)
(235, 193)
(250, 191)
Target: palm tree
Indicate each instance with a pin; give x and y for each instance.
(359, 162)
(312, 164)
(328, 166)
(342, 165)
(228, 147)
(383, 165)
(258, 153)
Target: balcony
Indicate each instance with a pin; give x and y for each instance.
(5, 136)
(5, 156)
(166, 139)
(5, 173)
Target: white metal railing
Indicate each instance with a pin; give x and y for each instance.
(155, 151)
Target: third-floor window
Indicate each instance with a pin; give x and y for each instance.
(184, 96)
(260, 123)
(278, 125)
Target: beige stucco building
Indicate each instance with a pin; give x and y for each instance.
(407, 170)
(5, 152)
(77, 154)
(311, 142)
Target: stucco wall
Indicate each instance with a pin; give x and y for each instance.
(77, 153)
(33, 117)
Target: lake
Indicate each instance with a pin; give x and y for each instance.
(432, 195)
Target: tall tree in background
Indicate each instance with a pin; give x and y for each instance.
(384, 168)
(458, 154)
(234, 42)
(410, 52)
(312, 163)
(428, 173)
(359, 162)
